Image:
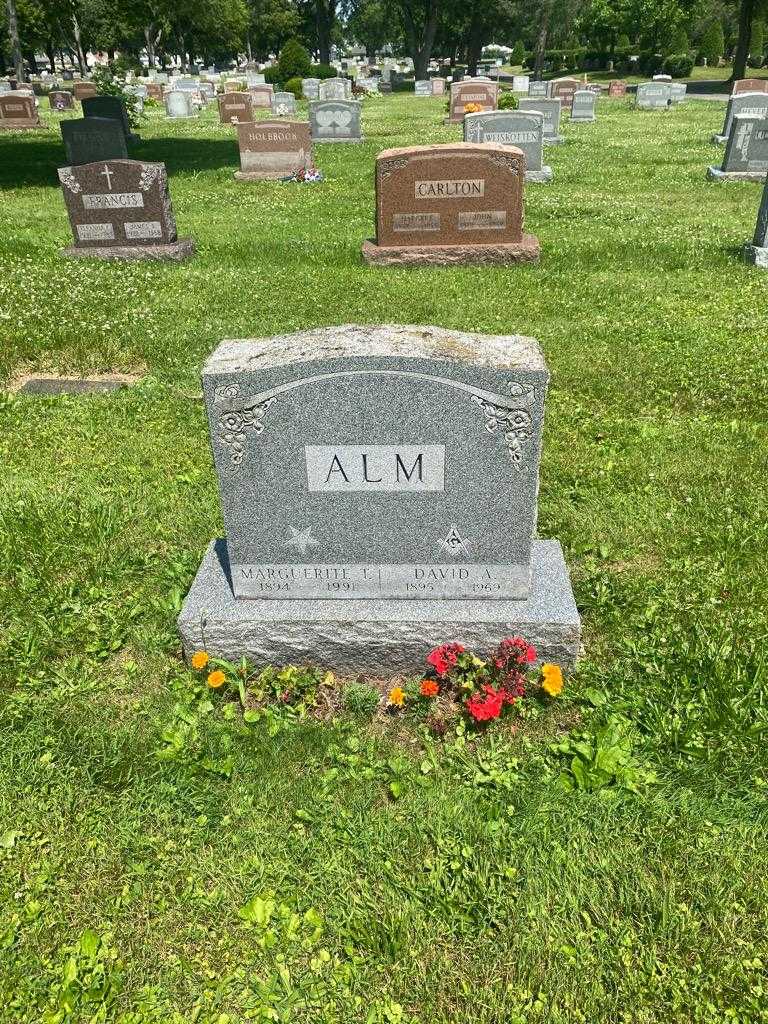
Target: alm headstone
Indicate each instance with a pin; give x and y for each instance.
(112, 107)
(617, 89)
(653, 96)
(475, 93)
(83, 90)
(521, 84)
(335, 121)
(450, 204)
(17, 112)
(753, 103)
(564, 89)
(422, 87)
(749, 85)
(757, 252)
(379, 493)
(521, 128)
(583, 106)
(235, 107)
(178, 104)
(261, 96)
(283, 104)
(310, 88)
(89, 139)
(61, 99)
(273, 149)
(551, 111)
(746, 151)
(121, 209)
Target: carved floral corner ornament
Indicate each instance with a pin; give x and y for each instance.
(515, 419)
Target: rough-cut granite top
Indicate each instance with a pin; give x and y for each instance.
(405, 341)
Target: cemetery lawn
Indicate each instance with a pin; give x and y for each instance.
(142, 822)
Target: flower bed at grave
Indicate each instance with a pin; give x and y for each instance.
(457, 684)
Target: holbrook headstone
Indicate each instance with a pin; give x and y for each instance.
(335, 121)
(551, 111)
(450, 204)
(121, 209)
(653, 96)
(283, 104)
(112, 107)
(235, 107)
(89, 139)
(746, 151)
(61, 99)
(273, 149)
(521, 128)
(379, 493)
(757, 252)
(583, 106)
(18, 111)
(755, 103)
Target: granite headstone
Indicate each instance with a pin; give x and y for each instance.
(18, 111)
(112, 107)
(89, 139)
(583, 106)
(746, 151)
(335, 121)
(235, 107)
(521, 128)
(755, 103)
(273, 149)
(653, 96)
(551, 111)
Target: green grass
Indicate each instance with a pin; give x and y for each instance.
(487, 892)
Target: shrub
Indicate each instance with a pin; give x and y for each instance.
(623, 43)
(678, 65)
(507, 101)
(321, 71)
(294, 85)
(272, 75)
(293, 61)
(109, 83)
(680, 42)
(518, 53)
(712, 45)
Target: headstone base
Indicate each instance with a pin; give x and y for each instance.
(581, 120)
(347, 141)
(558, 140)
(542, 176)
(757, 255)
(262, 175)
(715, 174)
(176, 251)
(381, 637)
(23, 122)
(527, 251)
(719, 140)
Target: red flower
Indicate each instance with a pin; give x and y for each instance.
(443, 658)
(483, 709)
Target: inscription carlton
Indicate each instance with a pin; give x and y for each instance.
(456, 189)
(375, 467)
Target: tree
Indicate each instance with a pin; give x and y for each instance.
(293, 61)
(272, 24)
(518, 53)
(371, 25)
(712, 45)
(325, 22)
(13, 39)
(680, 42)
(747, 11)
(757, 41)
(419, 20)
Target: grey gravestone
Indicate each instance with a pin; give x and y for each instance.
(583, 109)
(538, 89)
(742, 103)
(333, 89)
(335, 121)
(121, 209)
(521, 83)
(521, 128)
(283, 104)
(653, 95)
(178, 103)
(89, 139)
(757, 252)
(422, 87)
(310, 88)
(61, 99)
(379, 492)
(746, 152)
(678, 91)
(551, 110)
(112, 107)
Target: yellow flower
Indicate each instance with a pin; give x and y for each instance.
(216, 679)
(329, 679)
(552, 679)
(200, 659)
(397, 696)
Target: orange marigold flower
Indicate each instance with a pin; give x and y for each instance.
(429, 688)
(200, 659)
(397, 696)
(552, 679)
(216, 679)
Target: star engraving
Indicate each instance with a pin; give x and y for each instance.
(301, 539)
(454, 543)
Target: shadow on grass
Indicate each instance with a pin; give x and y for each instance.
(33, 160)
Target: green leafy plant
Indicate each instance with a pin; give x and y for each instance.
(507, 100)
(109, 81)
(601, 759)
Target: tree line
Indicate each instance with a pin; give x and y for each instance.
(218, 30)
